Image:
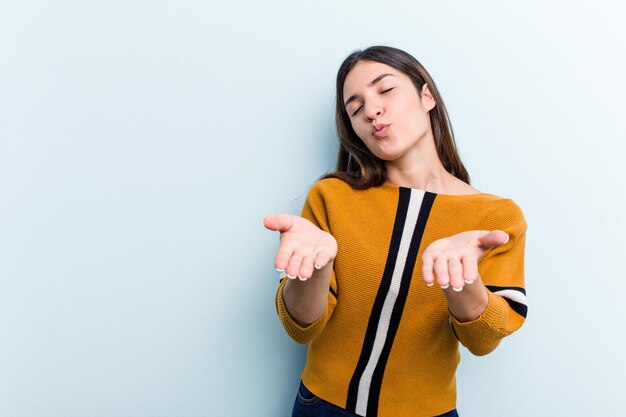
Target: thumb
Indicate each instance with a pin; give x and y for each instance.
(493, 239)
(278, 222)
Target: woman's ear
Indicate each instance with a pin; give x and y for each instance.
(428, 101)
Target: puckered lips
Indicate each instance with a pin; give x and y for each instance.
(379, 130)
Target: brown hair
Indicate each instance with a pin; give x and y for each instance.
(356, 165)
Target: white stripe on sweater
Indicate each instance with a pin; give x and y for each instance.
(511, 294)
(415, 203)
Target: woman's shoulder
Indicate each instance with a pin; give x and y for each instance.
(336, 192)
(330, 183)
(496, 210)
(489, 202)
(490, 209)
(331, 186)
(326, 189)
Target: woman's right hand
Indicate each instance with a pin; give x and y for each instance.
(303, 247)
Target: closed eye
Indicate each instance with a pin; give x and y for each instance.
(356, 111)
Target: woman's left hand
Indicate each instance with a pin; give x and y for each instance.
(453, 261)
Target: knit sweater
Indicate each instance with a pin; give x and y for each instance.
(387, 344)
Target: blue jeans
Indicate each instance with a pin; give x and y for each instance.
(309, 405)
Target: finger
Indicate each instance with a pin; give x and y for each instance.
(306, 269)
(455, 271)
(470, 269)
(493, 239)
(282, 257)
(278, 222)
(321, 260)
(295, 262)
(441, 272)
(427, 269)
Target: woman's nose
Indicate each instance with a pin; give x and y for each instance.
(373, 111)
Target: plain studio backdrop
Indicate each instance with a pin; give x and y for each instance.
(142, 142)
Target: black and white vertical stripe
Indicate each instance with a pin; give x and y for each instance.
(514, 296)
(411, 217)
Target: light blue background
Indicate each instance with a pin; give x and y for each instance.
(141, 143)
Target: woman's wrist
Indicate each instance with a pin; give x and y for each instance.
(469, 304)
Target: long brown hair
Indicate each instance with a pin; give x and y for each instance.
(356, 165)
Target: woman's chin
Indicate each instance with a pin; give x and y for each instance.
(388, 156)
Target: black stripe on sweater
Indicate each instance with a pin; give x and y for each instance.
(333, 292)
(396, 315)
(519, 308)
(494, 288)
(370, 333)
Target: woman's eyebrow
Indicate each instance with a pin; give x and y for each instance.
(371, 84)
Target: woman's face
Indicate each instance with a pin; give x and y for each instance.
(385, 109)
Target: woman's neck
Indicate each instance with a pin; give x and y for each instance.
(425, 171)
(424, 177)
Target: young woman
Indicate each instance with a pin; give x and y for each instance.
(396, 258)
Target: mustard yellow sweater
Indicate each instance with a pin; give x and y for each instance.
(387, 345)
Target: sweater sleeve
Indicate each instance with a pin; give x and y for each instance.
(314, 210)
(502, 271)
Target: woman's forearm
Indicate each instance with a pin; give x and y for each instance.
(307, 300)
